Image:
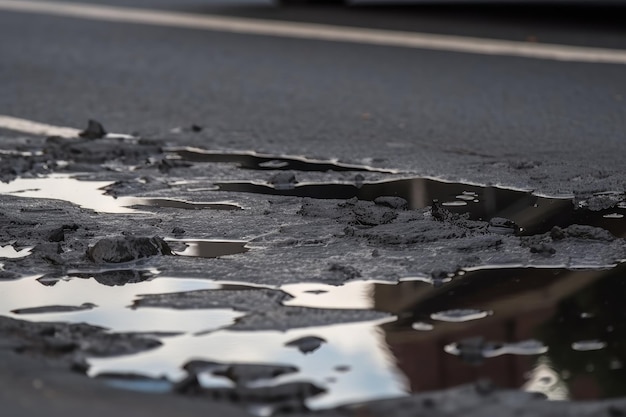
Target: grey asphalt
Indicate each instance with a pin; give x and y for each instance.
(454, 115)
(555, 127)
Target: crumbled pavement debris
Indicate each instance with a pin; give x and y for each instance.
(253, 299)
(397, 203)
(502, 226)
(54, 309)
(601, 201)
(69, 342)
(575, 238)
(295, 233)
(44, 156)
(245, 373)
(368, 213)
(285, 318)
(127, 248)
(94, 130)
(58, 234)
(240, 373)
(582, 232)
(306, 344)
(114, 277)
(50, 253)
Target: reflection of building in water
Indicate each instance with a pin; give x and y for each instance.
(543, 304)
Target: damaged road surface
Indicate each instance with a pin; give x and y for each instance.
(262, 284)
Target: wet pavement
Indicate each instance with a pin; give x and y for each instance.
(528, 298)
(311, 227)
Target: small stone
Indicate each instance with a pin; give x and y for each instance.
(307, 344)
(94, 130)
(397, 203)
(438, 212)
(127, 248)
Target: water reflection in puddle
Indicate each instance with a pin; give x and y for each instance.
(110, 304)
(261, 161)
(10, 252)
(357, 346)
(527, 324)
(556, 331)
(523, 320)
(91, 195)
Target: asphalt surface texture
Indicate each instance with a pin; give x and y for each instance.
(556, 128)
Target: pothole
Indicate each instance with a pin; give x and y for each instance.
(313, 345)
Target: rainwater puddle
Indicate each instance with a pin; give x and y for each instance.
(556, 331)
(526, 323)
(534, 214)
(204, 248)
(353, 365)
(10, 252)
(106, 301)
(261, 161)
(91, 195)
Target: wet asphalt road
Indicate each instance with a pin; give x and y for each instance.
(456, 115)
(558, 127)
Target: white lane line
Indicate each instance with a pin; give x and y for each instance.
(320, 32)
(35, 128)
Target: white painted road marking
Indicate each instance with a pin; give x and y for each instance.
(319, 32)
(35, 128)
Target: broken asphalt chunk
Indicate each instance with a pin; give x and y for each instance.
(127, 248)
(307, 344)
(94, 130)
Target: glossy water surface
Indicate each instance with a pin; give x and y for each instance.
(262, 161)
(557, 331)
(92, 195)
(508, 325)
